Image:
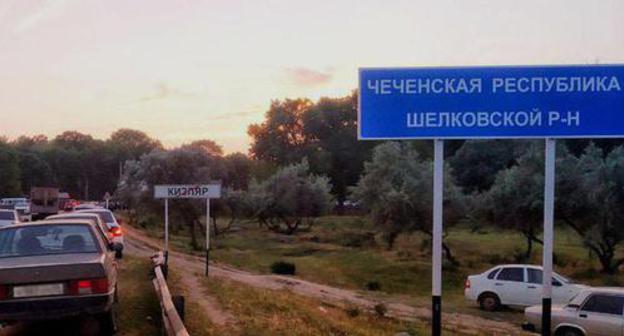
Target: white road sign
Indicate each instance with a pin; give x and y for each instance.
(188, 191)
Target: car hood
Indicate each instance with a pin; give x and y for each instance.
(537, 310)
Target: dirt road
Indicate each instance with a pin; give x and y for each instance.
(138, 243)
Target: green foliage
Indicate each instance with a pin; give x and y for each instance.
(283, 267)
(590, 192)
(178, 166)
(397, 190)
(323, 133)
(9, 171)
(476, 162)
(288, 198)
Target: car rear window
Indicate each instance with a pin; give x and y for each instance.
(605, 304)
(7, 215)
(106, 216)
(46, 239)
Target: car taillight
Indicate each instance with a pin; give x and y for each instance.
(90, 286)
(116, 231)
(4, 292)
(467, 284)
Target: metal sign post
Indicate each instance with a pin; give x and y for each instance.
(549, 215)
(491, 102)
(166, 230)
(206, 192)
(438, 196)
(207, 233)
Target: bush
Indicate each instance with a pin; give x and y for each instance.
(353, 311)
(373, 286)
(283, 267)
(380, 309)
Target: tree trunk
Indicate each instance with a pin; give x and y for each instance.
(214, 226)
(449, 255)
(529, 250)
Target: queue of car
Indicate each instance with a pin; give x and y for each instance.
(578, 310)
(63, 266)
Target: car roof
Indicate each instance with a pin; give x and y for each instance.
(605, 290)
(519, 265)
(74, 214)
(55, 221)
(92, 210)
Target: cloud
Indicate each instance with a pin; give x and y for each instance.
(164, 91)
(234, 115)
(49, 10)
(308, 77)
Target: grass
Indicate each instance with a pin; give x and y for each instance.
(346, 252)
(263, 312)
(196, 321)
(139, 311)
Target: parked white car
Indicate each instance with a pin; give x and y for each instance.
(516, 285)
(593, 312)
(8, 217)
(108, 217)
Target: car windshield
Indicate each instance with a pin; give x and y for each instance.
(7, 215)
(46, 239)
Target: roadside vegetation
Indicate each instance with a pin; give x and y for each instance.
(346, 251)
(139, 310)
(266, 312)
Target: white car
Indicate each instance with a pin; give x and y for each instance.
(108, 217)
(593, 312)
(8, 217)
(516, 285)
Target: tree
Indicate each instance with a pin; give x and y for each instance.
(178, 166)
(592, 194)
(239, 169)
(397, 190)
(280, 138)
(515, 199)
(331, 126)
(476, 162)
(130, 144)
(206, 145)
(9, 171)
(288, 198)
(324, 133)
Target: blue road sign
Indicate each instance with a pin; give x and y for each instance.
(580, 101)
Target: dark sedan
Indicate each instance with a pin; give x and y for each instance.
(55, 269)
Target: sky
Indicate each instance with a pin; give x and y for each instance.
(185, 70)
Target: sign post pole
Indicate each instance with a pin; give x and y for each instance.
(547, 258)
(438, 195)
(166, 230)
(207, 233)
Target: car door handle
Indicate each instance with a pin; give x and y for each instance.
(532, 287)
(583, 315)
(498, 284)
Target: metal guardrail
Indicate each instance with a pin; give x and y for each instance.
(172, 322)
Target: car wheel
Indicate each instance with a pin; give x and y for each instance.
(108, 322)
(489, 302)
(568, 332)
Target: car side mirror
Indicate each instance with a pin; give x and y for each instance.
(573, 306)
